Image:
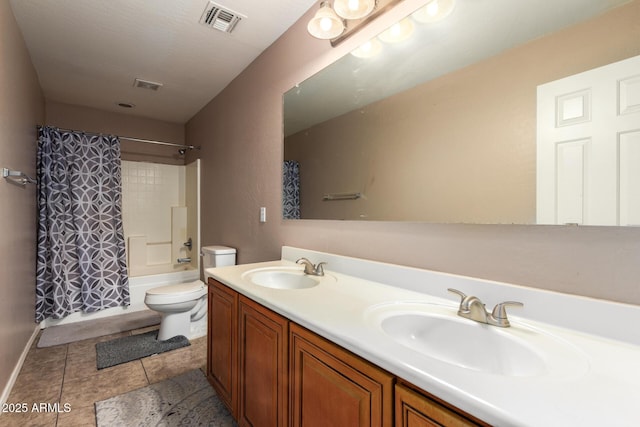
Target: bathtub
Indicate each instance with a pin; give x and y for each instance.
(138, 286)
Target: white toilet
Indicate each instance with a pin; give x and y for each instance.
(183, 303)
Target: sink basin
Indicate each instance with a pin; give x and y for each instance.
(283, 278)
(437, 332)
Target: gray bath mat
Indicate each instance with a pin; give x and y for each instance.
(78, 331)
(126, 349)
(185, 400)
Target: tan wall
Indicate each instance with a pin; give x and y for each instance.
(93, 120)
(241, 134)
(21, 108)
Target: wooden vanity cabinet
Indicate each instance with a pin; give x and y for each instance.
(416, 408)
(330, 386)
(247, 358)
(222, 356)
(262, 366)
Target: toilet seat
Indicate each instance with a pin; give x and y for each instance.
(176, 293)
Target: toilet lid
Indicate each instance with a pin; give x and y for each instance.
(179, 288)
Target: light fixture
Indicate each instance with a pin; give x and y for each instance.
(368, 49)
(398, 32)
(353, 9)
(325, 24)
(345, 18)
(434, 11)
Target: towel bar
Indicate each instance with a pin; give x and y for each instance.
(342, 196)
(17, 177)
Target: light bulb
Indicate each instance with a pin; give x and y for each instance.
(395, 29)
(398, 32)
(368, 49)
(353, 9)
(325, 24)
(432, 8)
(434, 11)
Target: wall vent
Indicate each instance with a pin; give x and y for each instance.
(220, 18)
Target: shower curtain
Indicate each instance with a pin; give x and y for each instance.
(291, 189)
(81, 261)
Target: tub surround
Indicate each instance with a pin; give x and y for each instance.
(594, 383)
(158, 215)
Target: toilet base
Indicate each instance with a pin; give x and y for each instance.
(173, 324)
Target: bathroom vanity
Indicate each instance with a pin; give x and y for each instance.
(257, 378)
(287, 348)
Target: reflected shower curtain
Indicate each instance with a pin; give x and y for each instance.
(291, 190)
(81, 261)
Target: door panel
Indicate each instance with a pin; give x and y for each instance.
(587, 130)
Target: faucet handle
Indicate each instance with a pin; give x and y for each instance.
(320, 269)
(461, 294)
(308, 265)
(499, 313)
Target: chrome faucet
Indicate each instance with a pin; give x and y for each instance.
(472, 308)
(183, 260)
(309, 268)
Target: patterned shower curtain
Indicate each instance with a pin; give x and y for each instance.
(81, 262)
(291, 189)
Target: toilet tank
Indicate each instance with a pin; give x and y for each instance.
(218, 256)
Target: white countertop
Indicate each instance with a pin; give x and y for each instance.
(597, 382)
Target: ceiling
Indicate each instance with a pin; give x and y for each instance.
(89, 52)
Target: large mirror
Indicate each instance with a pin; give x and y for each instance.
(441, 127)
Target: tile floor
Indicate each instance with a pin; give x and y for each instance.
(67, 374)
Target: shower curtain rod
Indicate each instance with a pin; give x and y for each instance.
(145, 141)
(152, 141)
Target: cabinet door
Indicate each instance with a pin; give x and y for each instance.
(221, 343)
(262, 349)
(416, 410)
(332, 387)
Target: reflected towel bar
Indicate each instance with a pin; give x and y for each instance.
(17, 177)
(341, 196)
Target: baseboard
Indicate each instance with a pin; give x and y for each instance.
(16, 370)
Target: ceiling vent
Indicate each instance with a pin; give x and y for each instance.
(146, 84)
(220, 18)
